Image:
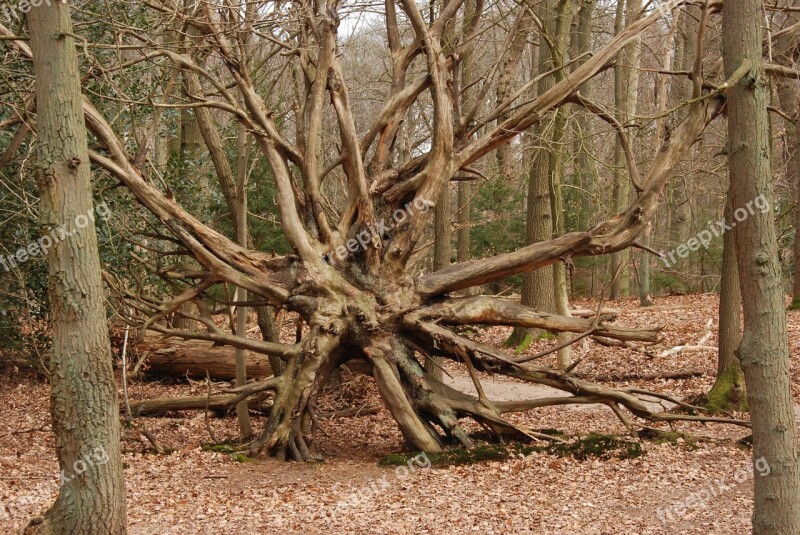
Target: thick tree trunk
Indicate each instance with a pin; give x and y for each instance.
(85, 416)
(764, 350)
(270, 332)
(728, 392)
(537, 286)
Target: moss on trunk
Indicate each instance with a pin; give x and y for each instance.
(728, 392)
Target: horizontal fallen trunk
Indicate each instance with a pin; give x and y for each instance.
(683, 374)
(605, 313)
(608, 342)
(195, 358)
(191, 403)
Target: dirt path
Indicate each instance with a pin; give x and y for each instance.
(504, 389)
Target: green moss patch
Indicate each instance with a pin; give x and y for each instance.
(236, 452)
(221, 448)
(580, 448)
(669, 437)
(599, 446)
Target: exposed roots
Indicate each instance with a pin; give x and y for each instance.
(287, 433)
(428, 412)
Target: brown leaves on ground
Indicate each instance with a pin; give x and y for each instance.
(191, 491)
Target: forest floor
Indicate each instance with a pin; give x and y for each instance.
(700, 485)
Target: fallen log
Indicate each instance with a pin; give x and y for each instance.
(699, 346)
(605, 313)
(191, 403)
(196, 358)
(608, 342)
(353, 412)
(683, 374)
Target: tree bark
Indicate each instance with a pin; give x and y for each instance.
(442, 249)
(626, 93)
(84, 409)
(242, 234)
(728, 392)
(764, 350)
(537, 286)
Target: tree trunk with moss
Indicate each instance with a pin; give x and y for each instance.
(538, 286)
(556, 171)
(729, 392)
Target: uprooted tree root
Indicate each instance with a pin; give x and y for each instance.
(367, 303)
(428, 412)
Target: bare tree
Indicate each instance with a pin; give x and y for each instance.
(354, 208)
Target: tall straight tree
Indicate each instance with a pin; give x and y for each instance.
(764, 350)
(84, 406)
(788, 90)
(558, 52)
(442, 249)
(626, 91)
(538, 286)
